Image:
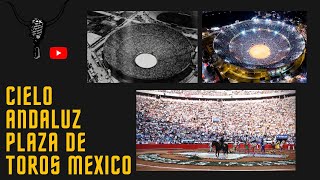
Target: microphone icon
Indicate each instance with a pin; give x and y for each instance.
(37, 32)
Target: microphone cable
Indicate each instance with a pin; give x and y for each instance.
(27, 23)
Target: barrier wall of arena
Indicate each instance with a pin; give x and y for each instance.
(195, 146)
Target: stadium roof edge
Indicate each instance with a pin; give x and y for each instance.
(204, 97)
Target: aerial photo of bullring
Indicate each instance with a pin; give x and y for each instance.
(142, 46)
(254, 47)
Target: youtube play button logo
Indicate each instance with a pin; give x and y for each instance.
(58, 53)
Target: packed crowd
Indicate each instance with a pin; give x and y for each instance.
(148, 34)
(167, 120)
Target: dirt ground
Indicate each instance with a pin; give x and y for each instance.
(142, 165)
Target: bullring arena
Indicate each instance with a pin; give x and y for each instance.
(175, 127)
(254, 46)
(142, 46)
(258, 48)
(123, 50)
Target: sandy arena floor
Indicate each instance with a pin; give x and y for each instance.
(143, 165)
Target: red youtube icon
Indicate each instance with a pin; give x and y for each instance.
(59, 53)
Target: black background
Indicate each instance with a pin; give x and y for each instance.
(108, 110)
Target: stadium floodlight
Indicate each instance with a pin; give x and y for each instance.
(287, 77)
(215, 29)
(243, 32)
(300, 36)
(254, 30)
(268, 21)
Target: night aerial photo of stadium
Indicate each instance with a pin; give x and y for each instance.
(142, 46)
(216, 130)
(254, 46)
